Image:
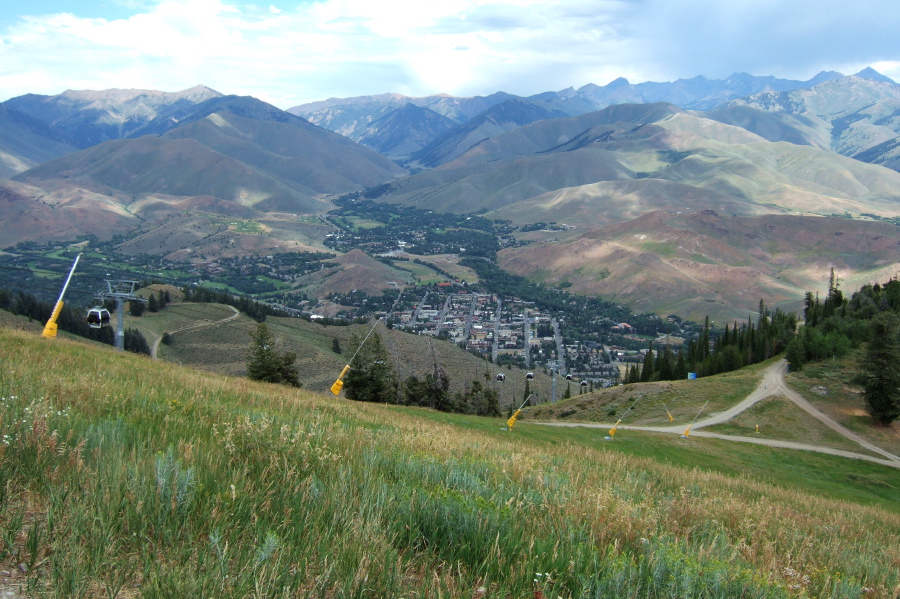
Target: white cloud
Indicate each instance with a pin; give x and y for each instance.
(330, 48)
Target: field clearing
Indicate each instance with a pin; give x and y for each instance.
(421, 273)
(451, 266)
(358, 222)
(186, 484)
(177, 316)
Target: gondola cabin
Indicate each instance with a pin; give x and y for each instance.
(568, 377)
(529, 376)
(97, 318)
(501, 377)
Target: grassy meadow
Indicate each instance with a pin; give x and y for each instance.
(125, 477)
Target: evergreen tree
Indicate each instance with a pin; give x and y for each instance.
(265, 363)
(371, 376)
(135, 308)
(647, 370)
(153, 304)
(882, 386)
(680, 371)
(336, 346)
(479, 399)
(795, 353)
(135, 342)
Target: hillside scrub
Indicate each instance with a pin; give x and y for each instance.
(124, 477)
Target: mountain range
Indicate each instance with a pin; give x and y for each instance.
(352, 117)
(696, 196)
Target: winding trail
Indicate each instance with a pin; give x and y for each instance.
(772, 383)
(199, 325)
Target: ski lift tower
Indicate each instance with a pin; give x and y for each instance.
(121, 291)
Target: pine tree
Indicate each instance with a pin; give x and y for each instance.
(136, 308)
(265, 363)
(371, 376)
(153, 304)
(647, 370)
(795, 353)
(135, 342)
(882, 386)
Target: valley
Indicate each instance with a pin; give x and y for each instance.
(550, 300)
(696, 198)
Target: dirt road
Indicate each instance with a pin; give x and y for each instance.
(772, 383)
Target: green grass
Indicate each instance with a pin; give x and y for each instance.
(646, 403)
(421, 273)
(246, 226)
(364, 223)
(125, 477)
(663, 250)
(779, 418)
(822, 474)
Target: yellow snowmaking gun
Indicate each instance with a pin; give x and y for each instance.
(339, 383)
(612, 431)
(512, 419)
(51, 327)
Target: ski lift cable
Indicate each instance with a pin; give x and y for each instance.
(687, 431)
(339, 382)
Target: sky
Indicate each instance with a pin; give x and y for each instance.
(288, 52)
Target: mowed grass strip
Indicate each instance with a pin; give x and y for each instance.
(127, 477)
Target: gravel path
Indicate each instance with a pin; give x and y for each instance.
(772, 384)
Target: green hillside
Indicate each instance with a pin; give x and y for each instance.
(204, 336)
(128, 477)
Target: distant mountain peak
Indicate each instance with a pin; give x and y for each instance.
(872, 74)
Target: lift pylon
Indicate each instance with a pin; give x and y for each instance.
(121, 291)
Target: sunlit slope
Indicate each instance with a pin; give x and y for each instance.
(859, 114)
(712, 264)
(155, 467)
(702, 153)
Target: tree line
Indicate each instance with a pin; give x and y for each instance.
(256, 310)
(741, 344)
(372, 377)
(836, 325)
(71, 320)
